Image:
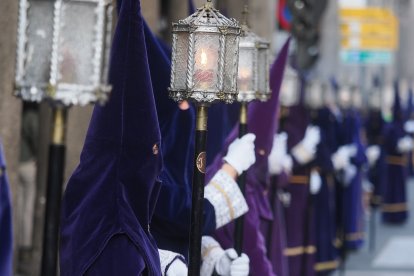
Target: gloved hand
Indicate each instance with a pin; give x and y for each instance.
(177, 268)
(315, 182)
(342, 157)
(172, 264)
(373, 152)
(409, 126)
(305, 151)
(240, 266)
(241, 154)
(348, 175)
(223, 262)
(278, 159)
(405, 144)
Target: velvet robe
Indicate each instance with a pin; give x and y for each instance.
(110, 198)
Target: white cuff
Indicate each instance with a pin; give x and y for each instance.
(211, 252)
(167, 258)
(302, 154)
(225, 196)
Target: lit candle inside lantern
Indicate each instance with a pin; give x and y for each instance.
(204, 69)
(245, 78)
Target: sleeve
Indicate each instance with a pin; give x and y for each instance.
(167, 258)
(227, 199)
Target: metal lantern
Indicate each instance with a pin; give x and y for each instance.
(205, 56)
(62, 57)
(289, 91)
(62, 52)
(205, 51)
(253, 74)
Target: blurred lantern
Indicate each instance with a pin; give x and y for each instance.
(345, 96)
(205, 57)
(314, 96)
(289, 92)
(253, 84)
(62, 52)
(253, 76)
(62, 57)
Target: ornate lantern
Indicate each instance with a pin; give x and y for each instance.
(62, 51)
(290, 90)
(205, 55)
(62, 57)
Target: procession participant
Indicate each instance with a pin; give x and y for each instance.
(110, 198)
(6, 231)
(280, 167)
(350, 203)
(321, 100)
(396, 146)
(374, 131)
(299, 215)
(171, 222)
(262, 122)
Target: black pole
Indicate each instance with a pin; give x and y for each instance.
(198, 191)
(239, 225)
(56, 166)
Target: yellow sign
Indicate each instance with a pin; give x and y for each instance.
(371, 28)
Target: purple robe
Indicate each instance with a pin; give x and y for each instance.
(394, 208)
(325, 199)
(374, 128)
(262, 122)
(110, 198)
(274, 230)
(299, 214)
(350, 208)
(6, 229)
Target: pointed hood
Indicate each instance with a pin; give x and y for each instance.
(397, 112)
(114, 188)
(262, 120)
(191, 7)
(298, 118)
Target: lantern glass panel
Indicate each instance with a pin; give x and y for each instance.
(231, 61)
(76, 45)
(181, 61)
(263, 74)
(39, 42)
(206, 62)
(246, 70)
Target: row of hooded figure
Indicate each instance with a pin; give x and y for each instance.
(126, 208)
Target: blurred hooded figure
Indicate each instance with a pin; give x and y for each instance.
(396, 146)
(302, 140)
(261, 122)
(6, 230)
(350, 204)
(110, 198)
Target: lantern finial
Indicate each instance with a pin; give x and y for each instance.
(245, 13)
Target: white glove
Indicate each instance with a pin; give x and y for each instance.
(373, 152)
(409, 126)
(279, 160)
(342, 157)
(241, 154)
(172, 264)
(315, 182)
(405, 144)
(240, 266)
(305, 151)
(224, 262)
(349, 174)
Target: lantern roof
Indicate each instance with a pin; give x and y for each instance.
(208, 16)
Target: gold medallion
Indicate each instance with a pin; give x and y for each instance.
(201, 162)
